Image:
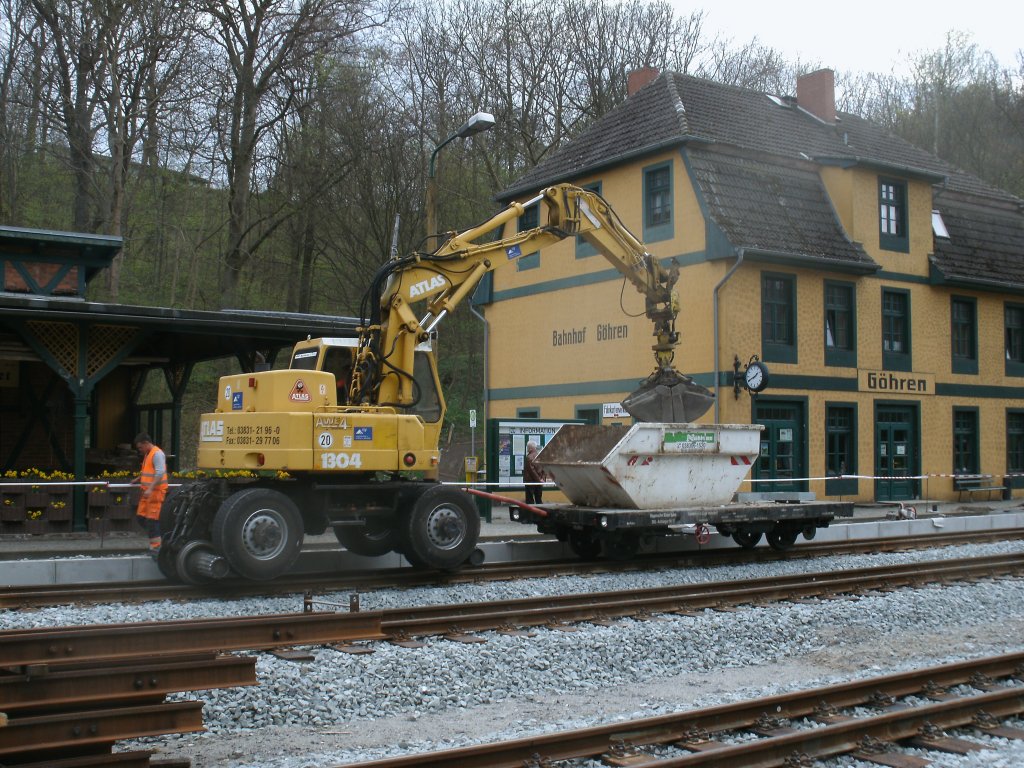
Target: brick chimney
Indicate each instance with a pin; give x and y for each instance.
(816, 92)
(638, 78)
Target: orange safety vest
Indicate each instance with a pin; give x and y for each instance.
(149, 506)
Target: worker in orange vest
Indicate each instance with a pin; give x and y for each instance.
(153, 479)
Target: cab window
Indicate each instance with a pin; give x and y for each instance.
(428, 407)
(338, 360)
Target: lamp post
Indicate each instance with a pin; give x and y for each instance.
(478, 123)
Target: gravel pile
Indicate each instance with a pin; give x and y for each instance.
(344, 708)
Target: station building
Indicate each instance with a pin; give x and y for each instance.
(882, 288)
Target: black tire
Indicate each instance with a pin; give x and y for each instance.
(259, 531)
(166, 558)
(747, 539)
(781, 539)
(169, 511)
(166, 561)
(441, 529)
(622, 546)
(371, 540)
(585, 545)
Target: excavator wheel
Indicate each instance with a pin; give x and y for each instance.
(370, 540)
(441, 529)
(166, 558)
(259, 531)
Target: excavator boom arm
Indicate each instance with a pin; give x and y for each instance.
(445, 278)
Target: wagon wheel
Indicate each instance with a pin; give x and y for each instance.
(780, 539)
(622, 546)
(585, 545)
(747, 539)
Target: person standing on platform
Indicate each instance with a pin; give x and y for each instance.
(533, 475)
(153, 480)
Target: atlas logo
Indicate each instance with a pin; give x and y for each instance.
(211, 431)
(427, 286)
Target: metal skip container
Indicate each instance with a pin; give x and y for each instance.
(651, 465)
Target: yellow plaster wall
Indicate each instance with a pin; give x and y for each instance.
(523, 352)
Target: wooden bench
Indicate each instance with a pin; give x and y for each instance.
(973, 484)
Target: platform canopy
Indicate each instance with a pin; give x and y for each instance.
(72, 370)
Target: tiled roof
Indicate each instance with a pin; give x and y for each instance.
(753, 157)
(676, 109)
(773, 209)
(985, 244)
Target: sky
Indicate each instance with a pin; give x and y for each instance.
(865, 35)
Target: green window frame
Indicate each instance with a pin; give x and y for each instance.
(892, 219)
(965, 441)
(1013, 322)
(583, 248)
(529, 220)
(840, 324)
(778, 317)
(840, 448)
(1014, 448)
(963, 334)
(527, 413)
(589, 413)
(657, 191)
(896, 348)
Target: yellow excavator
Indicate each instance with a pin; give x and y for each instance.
(347, 436)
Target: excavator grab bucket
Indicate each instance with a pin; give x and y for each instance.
(668, 396)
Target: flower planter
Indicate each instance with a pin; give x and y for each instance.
(8, 528)
(36, 499)
(12, 508)
(60, 497)
(119, 512)
(12, 499)
(99, 498)
(58, 512)
(37, 527)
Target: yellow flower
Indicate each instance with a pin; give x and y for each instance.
(35, 514)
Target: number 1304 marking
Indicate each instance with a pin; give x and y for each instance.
(340, 460)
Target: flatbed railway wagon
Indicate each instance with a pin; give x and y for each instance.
(628, 485)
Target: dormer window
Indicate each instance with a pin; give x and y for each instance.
(892, 225)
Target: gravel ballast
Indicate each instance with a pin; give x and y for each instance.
(344, 708)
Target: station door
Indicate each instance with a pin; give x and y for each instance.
(782, 446)
(896, 452)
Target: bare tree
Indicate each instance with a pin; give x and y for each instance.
(148, 44)
(264, 43)
(76, 37)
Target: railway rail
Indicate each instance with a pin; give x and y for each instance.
(785, 730)
(70, 645)
(78, 690)
(17, 597)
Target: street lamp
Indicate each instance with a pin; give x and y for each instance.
(481, 121)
